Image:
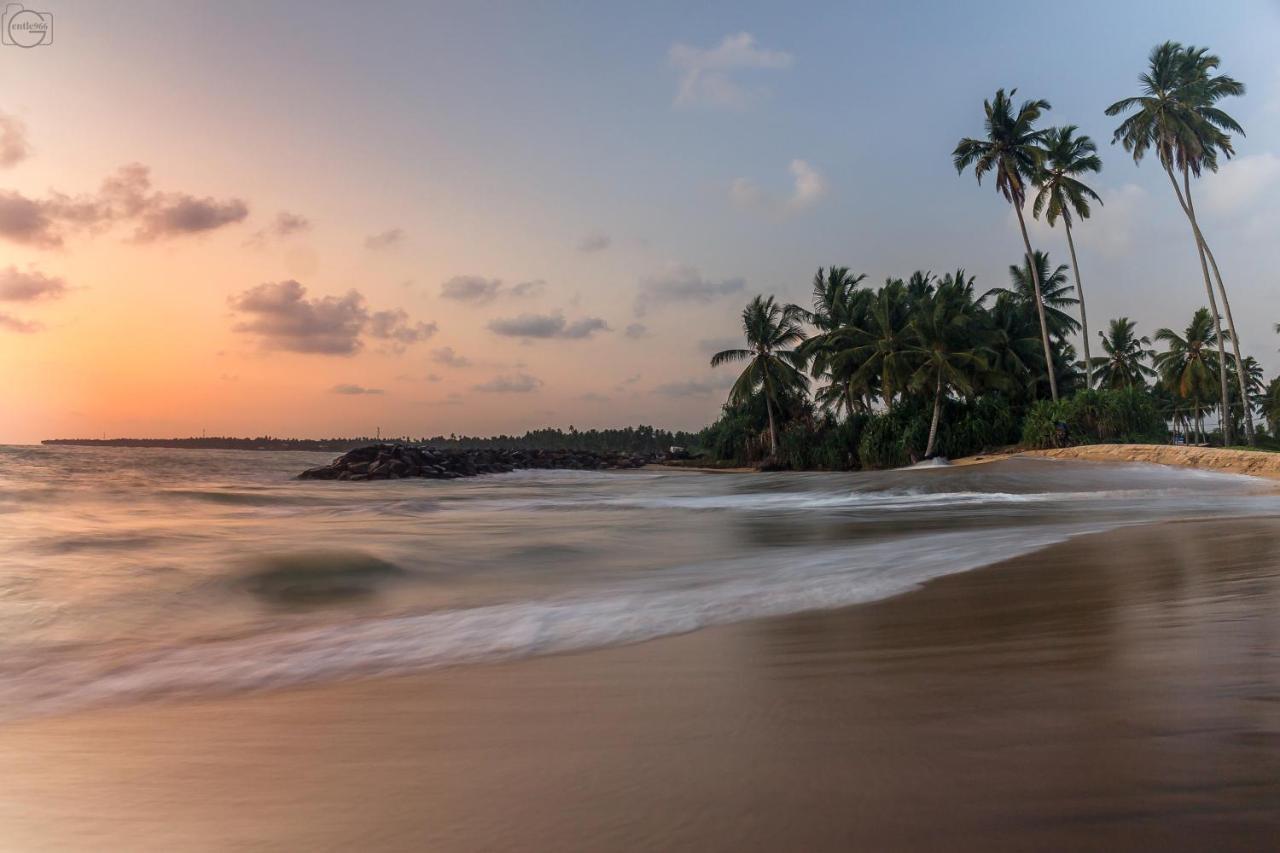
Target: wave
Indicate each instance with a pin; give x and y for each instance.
(770, 584)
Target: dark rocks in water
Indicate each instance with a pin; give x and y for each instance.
(399, 461)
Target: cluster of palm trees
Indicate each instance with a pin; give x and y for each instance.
(931, 335)
(925, 336)
(1177, 116)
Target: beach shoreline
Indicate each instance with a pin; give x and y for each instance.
(1253, 463)
(1116, 690)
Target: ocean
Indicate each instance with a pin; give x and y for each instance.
(132, 573)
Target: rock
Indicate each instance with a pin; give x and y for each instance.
(398, 461)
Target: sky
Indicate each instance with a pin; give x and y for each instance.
(324, 219)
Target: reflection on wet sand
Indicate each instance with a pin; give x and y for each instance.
(1114, 692)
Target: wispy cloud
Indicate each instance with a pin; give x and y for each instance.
(808, 188)
(449, 358)
(9, 323)
(478, 289)
(285, 224)
(515, 383)
(594, 242)
(388, 239)
(683, 284)
(19, 286)
(547, 326)
(14, 147)
(709, 76)
(354, 390)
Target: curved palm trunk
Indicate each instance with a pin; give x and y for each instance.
(1213, 302)
(1044, 325)
(1084, 320)
(937, 412)
(1231, 323)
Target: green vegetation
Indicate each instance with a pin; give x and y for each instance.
(921, 366)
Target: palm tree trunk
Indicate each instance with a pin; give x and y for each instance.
(773, 430)
(1084, 320)
(937, 412)
(1213, 302)
(1044, 326)
(1231, 326)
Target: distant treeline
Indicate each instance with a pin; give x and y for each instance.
(641, 439)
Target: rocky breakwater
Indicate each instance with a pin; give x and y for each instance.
(398, 461)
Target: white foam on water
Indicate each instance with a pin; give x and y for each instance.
(774, 583)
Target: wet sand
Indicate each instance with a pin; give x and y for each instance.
(1113, 693)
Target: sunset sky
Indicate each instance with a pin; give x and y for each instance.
(319, 219)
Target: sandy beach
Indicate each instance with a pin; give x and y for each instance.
(1120, 691)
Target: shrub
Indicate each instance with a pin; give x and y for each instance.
(1123, 415)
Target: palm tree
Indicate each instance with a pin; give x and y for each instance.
(1271, 406)
(1187, 367)
(1016, 360)
(838, 303)
(883, 346)
(770, 330)
(1123, 366)
(1062, 193)
(1013, 149)
(1055, 293)
(1176, 116)
(948, 353)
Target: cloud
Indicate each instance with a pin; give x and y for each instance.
(683, 284)
(9, 323)
(13, 141)
(449, 358)
(594, 397)
(27, 221)
(285, 318)
(547, 326)
(515, 383)
(344, 388)
(636, 330)
(1240, 182)
(594, 242)
(478, 290)
(125, 197)
(528, 288)
(285, 224)
(708, 75)
(385, 239)
(808, 187)
(18, 286)
(395, 326)
(470, 288)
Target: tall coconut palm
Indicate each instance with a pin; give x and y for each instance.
(1210, 88)
(1188, 365)
(771, 330)
(1063, 194)
(1055, 294)
(1014, 149)
(1124, 365)
(1176, 118)
(947, 351)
